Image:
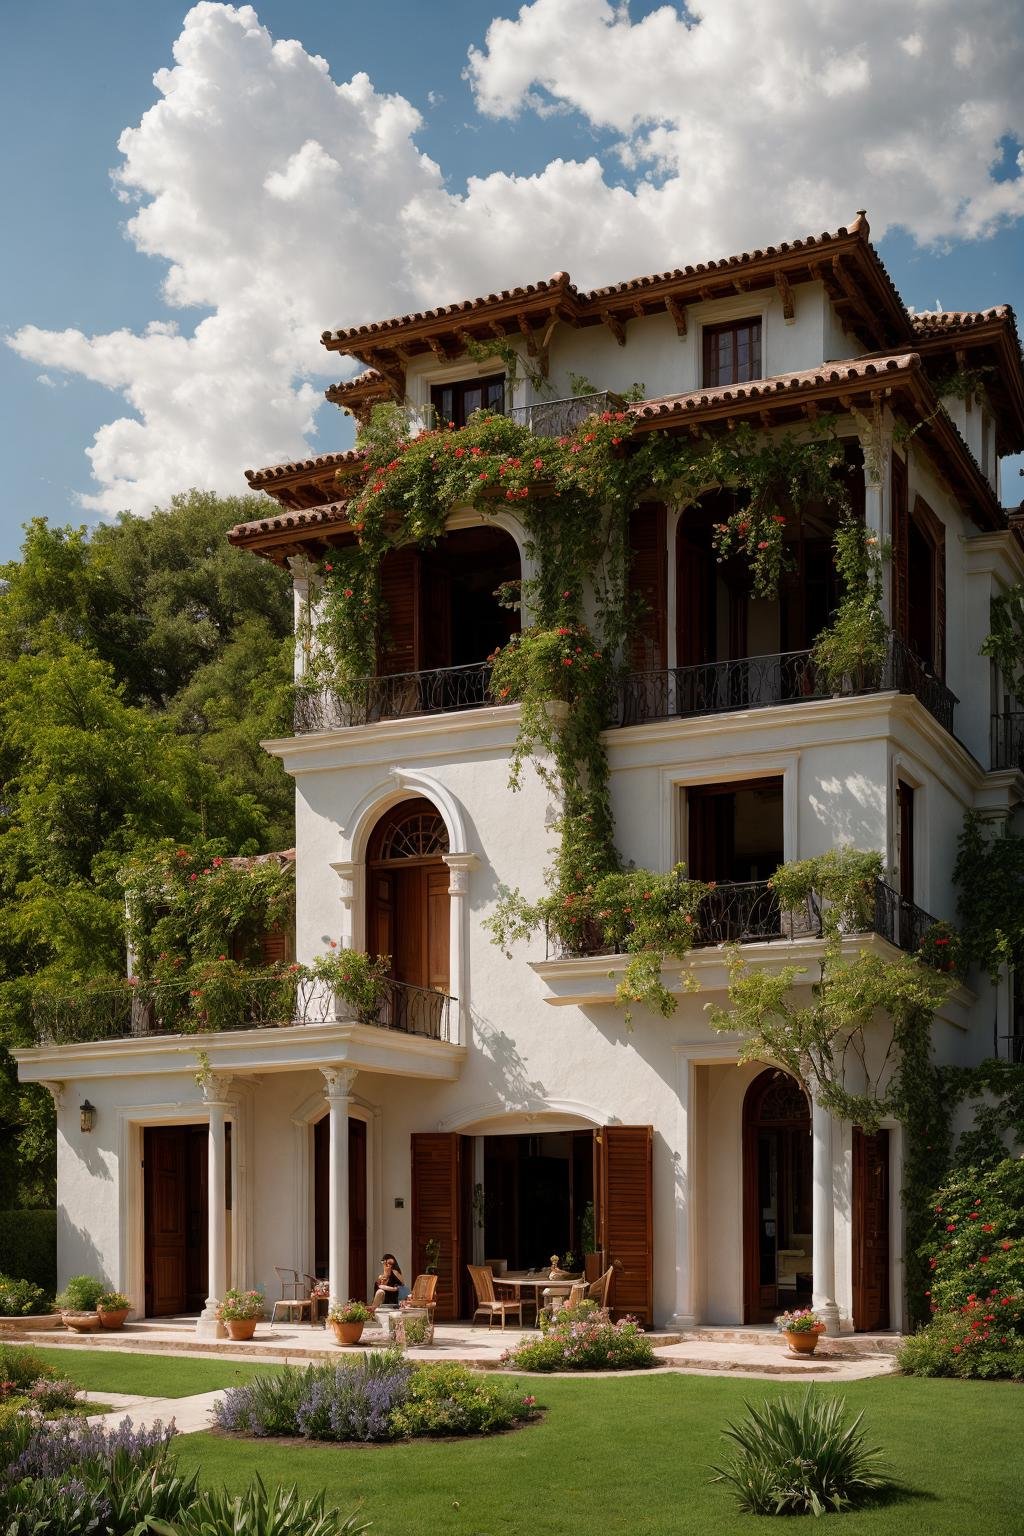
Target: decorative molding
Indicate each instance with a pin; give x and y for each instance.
(216, 1087)
(345, 870)
(460, 865)
(55, 1088)
(527, 1115)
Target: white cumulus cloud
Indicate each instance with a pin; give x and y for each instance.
(283, 203)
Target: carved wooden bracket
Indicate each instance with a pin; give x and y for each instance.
(678, 313)
(615, 325)
(786, 295)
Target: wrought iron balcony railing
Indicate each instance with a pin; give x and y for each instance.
(397, 697)
(140, 1009)
(1008, 739)
(753, 682)
(557, 418)
(748, 912)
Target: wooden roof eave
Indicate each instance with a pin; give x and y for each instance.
(995, 338)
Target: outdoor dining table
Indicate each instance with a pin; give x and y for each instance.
(524, 1280)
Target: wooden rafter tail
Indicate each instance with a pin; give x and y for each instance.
(498, 328)
(678, 313)
(707, 294)
(392, 372)
(439, 349)
(782, 283)
(849, 292)
(811, 411)
(527, 330)
(615, 325)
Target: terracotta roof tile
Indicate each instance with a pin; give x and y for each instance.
(312, 517)
(369, 377)
(282, 857)
(258, 477)
(850, 371)
(558, 283)
(938, 322)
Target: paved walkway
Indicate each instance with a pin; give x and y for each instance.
(187, 1414)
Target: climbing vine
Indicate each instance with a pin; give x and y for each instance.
(1005, 642)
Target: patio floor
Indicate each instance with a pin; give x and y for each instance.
(755, 1352)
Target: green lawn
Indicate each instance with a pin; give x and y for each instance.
(149, 1375)
(628, 1456)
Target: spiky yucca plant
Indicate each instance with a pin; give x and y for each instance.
(801, 1458)
(260, 1512)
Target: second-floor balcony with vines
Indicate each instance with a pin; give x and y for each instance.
(560, 418)
(395, 696)
(134, 1009)
(749, 912)
(758, 682)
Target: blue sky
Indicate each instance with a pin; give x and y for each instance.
(73, 76)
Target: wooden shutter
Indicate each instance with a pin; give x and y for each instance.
(934, 531)
(437, 1212)
(648, 587)
(625, 1216)
(400, 590)
(870, 1231)
(438, 928)
(900, 514)
(275, 947)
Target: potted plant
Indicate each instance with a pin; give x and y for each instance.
(113, 1308)
(432, 1249)
(77, 1303)
(347, 1320)
(240, 1311)
(803, 1328)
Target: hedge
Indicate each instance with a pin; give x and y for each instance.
(28, 1247)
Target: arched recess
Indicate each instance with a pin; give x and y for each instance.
(777, 1196)
(407, 784)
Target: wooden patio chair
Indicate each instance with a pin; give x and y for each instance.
(488, 1302)
(422, 1294)
(601, 1289)
(293, 1301)
(577, 1293)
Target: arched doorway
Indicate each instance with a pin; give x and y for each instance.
(407, 914)
(777, 1192)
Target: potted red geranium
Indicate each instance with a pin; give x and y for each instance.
(803, 1328)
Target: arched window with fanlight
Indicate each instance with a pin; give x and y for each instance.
(407, 894)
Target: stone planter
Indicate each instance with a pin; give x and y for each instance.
(112, 1317)
(411, 1327)
(81, 1322)
(29, 1324)
(346, 1333)
(241, 1327)
(802, 1343)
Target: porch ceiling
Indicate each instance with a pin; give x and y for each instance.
(291, 1049)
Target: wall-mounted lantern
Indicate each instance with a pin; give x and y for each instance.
(88, 1114)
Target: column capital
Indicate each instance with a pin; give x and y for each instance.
(345, 870)
(215, 1087)
(459, 865)
(339, 1082)
(56, 1090)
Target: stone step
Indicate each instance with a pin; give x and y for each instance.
(849, 1344)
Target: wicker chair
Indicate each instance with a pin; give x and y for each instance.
(488, 1302)
(601, 1289)
(422, 1293)
(294, 1299)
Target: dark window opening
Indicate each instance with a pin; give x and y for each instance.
(735, 830)
(536, 1193)
(732, 353)
(455, 403)
(905, 813)
(442, 610)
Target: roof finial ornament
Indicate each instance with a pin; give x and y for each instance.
(860, 225)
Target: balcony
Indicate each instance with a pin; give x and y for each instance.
(398, 697)
(757, 682)
(749, 912)
(558, 418)
(151, 1010)
(1008, 740)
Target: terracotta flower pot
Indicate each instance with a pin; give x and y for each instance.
(802, 1343)
(241, 1327)
(81, 1322)
(346, 1333)
(112, 1317)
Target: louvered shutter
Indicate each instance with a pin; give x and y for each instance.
(275, 947)
(625, 1216)
(399, 590)
(437, 1212)
(648, 587)
(934, 531)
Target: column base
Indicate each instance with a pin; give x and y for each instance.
(829, 1314)
(209, 1325)
(680, 1322)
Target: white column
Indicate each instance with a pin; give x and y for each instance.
(823, 1217)
(685, 1194)
(459, 865)
(215, 1092)
(338, 1092)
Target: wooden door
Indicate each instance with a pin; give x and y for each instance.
(441, 1171)
(870, 1231)
(776, 1192)
(175, 1218)
(625, 1215)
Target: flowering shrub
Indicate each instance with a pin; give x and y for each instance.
(112, 1301)
(942, 948)
(53, 1396)
(975, 1262)
(382, 1396)
(81, 1294)
(361, 980)
(239, 1306)
(20, 1298)
(21, 1368)
(581, 1338)
(803, 1320)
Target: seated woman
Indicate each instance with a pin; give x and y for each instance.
(391, 1286)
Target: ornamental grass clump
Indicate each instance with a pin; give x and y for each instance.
(582, 1338)
(801, 1459)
